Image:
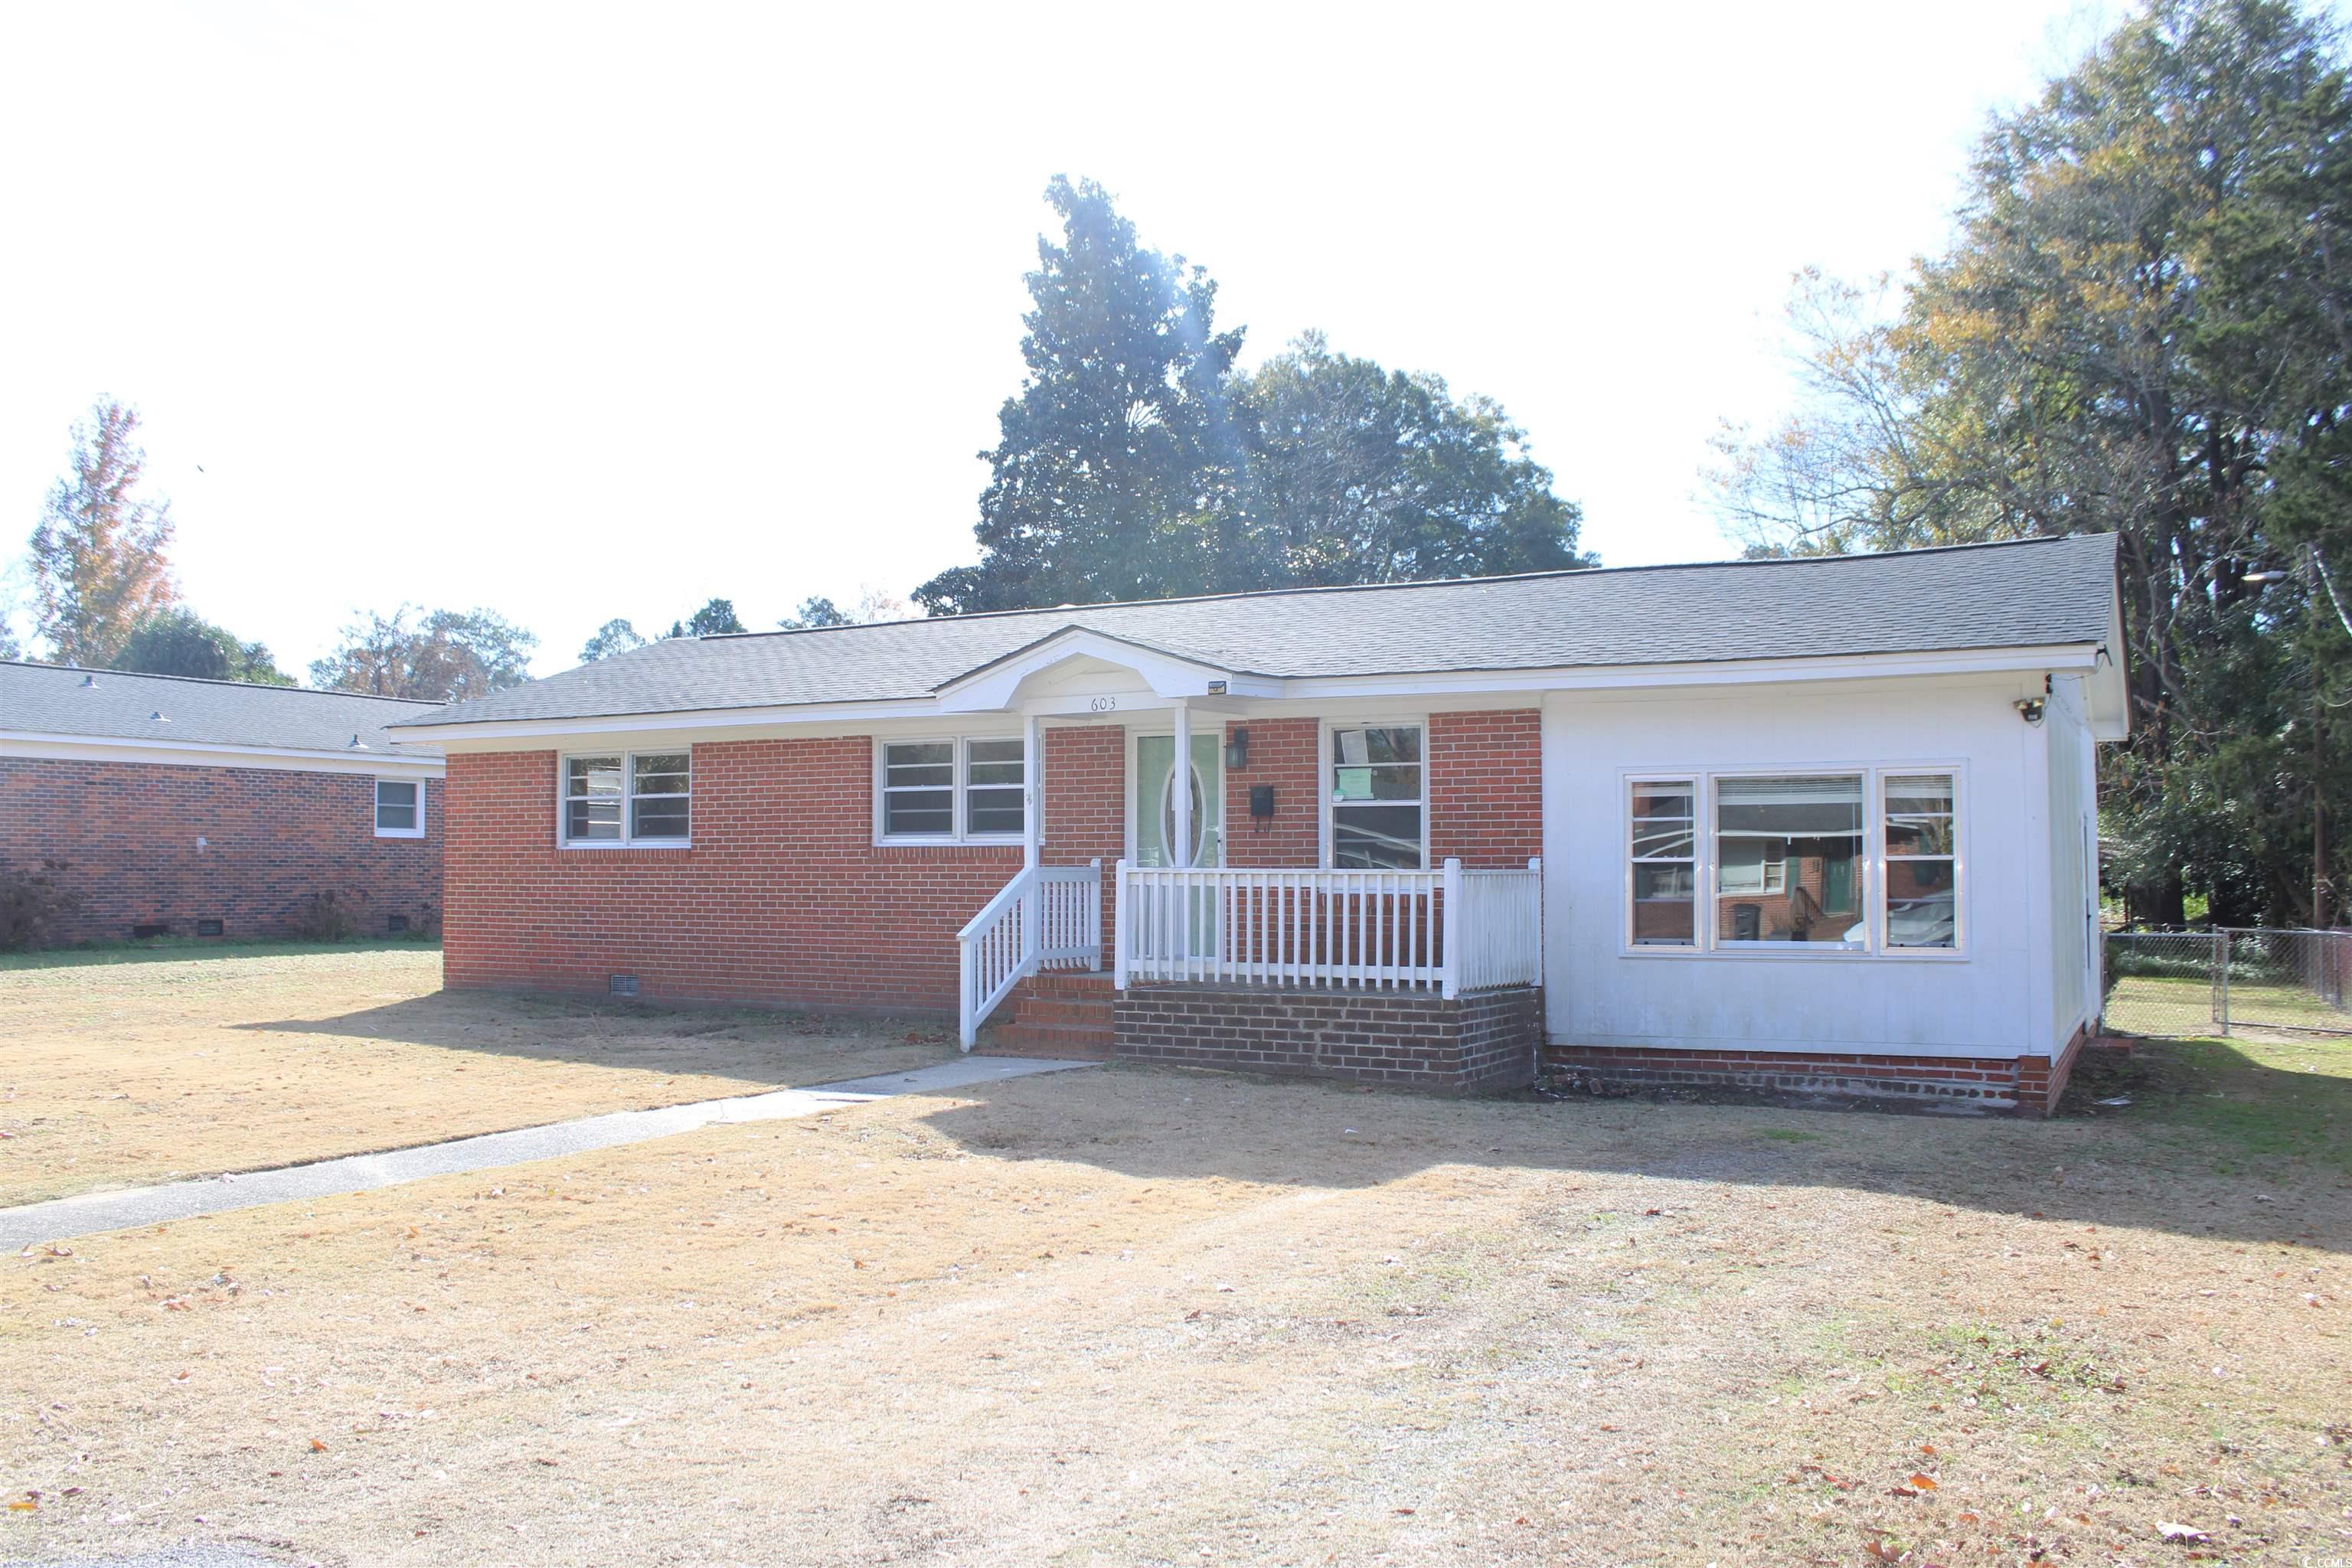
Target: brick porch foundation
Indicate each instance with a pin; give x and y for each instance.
(1476, 1044)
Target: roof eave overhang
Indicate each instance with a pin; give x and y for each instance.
(2071, 657)
(170, 753)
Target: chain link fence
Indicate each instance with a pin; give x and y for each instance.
(2209, 982)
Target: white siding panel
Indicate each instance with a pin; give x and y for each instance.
(1993, 1001)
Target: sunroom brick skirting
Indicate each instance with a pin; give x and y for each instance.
(2028, 1085)
(1483, 1042)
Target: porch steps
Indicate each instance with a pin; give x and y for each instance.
(1060, 1014)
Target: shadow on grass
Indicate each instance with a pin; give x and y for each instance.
(759, 1046)
(188, 950)
(2268, 1164)
(2239, 1104)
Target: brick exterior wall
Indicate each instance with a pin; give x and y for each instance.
(1477, 1043)
(782, 899)
(1282, 753)
(127, 833)
(1485, 787)
(785, 898)
(1990, 1083)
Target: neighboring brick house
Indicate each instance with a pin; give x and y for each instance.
(215, 808)
(1422, 834)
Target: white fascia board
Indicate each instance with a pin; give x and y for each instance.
(858, 717)
(209, 754)
(2108, 693)
(1737, 672)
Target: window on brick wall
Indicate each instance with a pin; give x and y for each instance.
(1378, 813)
(969, 790)
(616, 799)
(1845, 861)
(399, 808)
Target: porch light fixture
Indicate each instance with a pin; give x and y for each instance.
(1237, 750)
(2029, 709)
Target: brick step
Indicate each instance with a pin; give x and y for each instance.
(1066, 1042)
(1061, 1010)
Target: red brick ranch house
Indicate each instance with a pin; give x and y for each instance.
(215, 808)
(1815, 823)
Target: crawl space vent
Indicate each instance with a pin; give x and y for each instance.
(208, 928)
(625, 985)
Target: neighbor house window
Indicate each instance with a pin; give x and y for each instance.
(399, 808)
(1845, 862)
(1922, 861)
(628, 797)
(1377, 801)
(948, 792)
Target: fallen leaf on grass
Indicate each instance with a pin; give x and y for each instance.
(23, 1505)
(1924, 1483)
(317, 1447)
(2181, 1532)
(1404, 1511)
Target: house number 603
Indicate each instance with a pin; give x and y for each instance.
(1103, 704)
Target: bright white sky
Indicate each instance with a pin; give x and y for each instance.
(575, 314)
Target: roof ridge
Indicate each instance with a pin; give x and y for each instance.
(211, 680)
(1825, 558)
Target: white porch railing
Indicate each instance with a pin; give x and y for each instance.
(1049, 917)
(1449, 931)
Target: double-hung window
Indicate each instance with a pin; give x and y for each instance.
(1379, 812)
(951, 792)
(624, 798)
(399, 808)
(1841, 860)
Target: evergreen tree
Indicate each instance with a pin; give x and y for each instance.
(1113, 476)
(180, 642)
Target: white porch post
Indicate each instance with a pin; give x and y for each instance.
(1181, 788)
(1032, 790)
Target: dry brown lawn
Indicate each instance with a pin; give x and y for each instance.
(148, 1067)
(1124, 1316)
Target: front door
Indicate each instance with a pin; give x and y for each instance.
(1191, 920)
(1155, 801)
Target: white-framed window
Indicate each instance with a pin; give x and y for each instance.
(971, 790)
(620, 799)
(1376, 794)
(400, 808)
(1833, 859)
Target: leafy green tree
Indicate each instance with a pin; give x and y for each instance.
(99, 554)
(442, 656)
(713, 619)
(1359, 474)
(181, 642)
(816, 611)
(615, 636)
(2139, 330)
(1112, 475)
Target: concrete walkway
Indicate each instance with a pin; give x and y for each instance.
(91, 1212)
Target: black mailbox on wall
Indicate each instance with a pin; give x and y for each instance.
(1261, 800)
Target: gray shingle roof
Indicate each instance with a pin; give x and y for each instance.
(52, 699)
(2027, 593)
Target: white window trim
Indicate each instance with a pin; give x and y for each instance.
(959, 785)
(375, 801)
(628, 840)
(1323, 765)
(1871, 870)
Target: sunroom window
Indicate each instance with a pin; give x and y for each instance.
(1376, 798)
(628, 797)
(1665, 863)
(1786, 851)
(1922, 862)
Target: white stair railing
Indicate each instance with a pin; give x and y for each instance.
(1449, 931)
(1049, 917)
